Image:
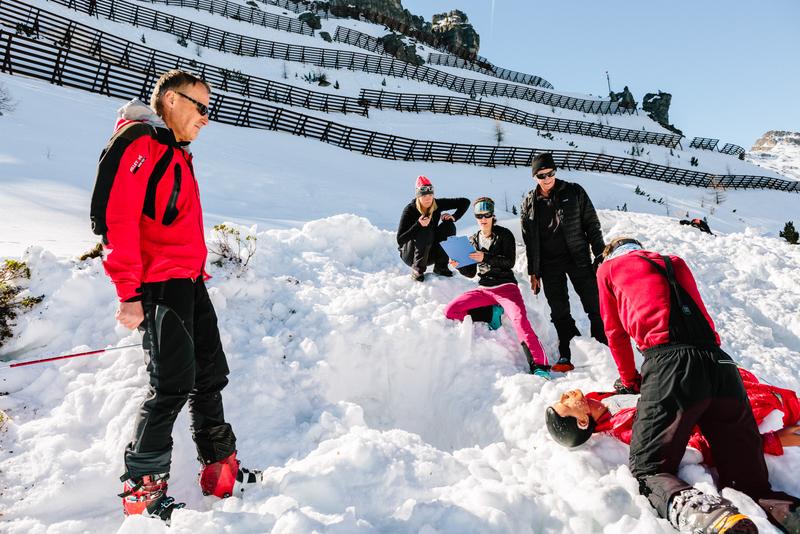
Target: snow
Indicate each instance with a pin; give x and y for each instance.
(369, 411)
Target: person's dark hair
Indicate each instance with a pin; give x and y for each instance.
(174, 80)
(565, 430)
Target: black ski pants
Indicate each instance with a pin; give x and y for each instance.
(554, 283)
(185, 361)
(684, 386)
(424, 248)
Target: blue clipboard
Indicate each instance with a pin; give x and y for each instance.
(459, 248)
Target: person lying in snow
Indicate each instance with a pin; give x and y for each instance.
(576, 416)
(496, 253)
(700, 224)
(686, 381)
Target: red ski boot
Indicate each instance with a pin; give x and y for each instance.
(148, 497)
(225, 478)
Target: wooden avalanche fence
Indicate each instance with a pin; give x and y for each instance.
(705, 143)
(452, 105)
(21, 55)
(69, 34)
(242, 13)
(476, 88)
(135, 14)
(447, 60)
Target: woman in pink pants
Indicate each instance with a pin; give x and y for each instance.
(495, 253)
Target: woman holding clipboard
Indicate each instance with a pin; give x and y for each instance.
(495, 254)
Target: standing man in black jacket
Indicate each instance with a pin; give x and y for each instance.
(559, 225)
(420, 232)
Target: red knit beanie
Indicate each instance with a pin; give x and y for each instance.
(424, 186)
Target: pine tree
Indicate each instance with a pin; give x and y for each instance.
(789, 233)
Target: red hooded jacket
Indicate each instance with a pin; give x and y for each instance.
(763, 398)
(169, 243)
(635, 302)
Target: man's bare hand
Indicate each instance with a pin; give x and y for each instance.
(535, 285)
(789, 436)
(130, 314)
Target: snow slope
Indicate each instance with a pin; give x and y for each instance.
(369, 411)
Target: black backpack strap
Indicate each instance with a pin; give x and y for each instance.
(159, 169)
(688, 325)
(669, 272)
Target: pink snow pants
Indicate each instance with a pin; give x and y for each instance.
(509, 297)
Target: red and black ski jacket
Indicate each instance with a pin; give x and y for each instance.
(146, 205)
(635, 302)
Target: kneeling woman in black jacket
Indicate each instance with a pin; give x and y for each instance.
(419, 232)
(496, 253)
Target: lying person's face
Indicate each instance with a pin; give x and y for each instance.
(574, 404)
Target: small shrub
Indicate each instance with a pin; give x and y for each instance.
(694, 162)
(320, 78)
(7, 104)
(383, 83)
(233, 75)
(142, 39)
(232, 247)
(513, 209)
(12, 303)
(182, 41)
(96, 252)
(26, 30)
(252, 3)
(336, 85)
(789, 233)
(499, 133)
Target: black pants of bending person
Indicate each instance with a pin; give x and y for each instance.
(185, 361)
(554, 283)
(424, 249)
(684, 386)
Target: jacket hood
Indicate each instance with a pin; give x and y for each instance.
(136, 110)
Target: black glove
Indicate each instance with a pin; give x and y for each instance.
(597, 261)
(632, 389)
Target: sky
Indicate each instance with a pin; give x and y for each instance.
(733, 68)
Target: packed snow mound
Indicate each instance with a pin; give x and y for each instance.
(369, 411)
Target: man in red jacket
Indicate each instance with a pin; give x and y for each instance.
(686, 381)
(146, 205)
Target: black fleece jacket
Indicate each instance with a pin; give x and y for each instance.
(409, 221)
(580, 225)
(498, 259)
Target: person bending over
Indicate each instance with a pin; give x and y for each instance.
(687, 380)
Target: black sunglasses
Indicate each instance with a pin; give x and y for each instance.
(545, 175)
(484, 215)
(202, 109)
